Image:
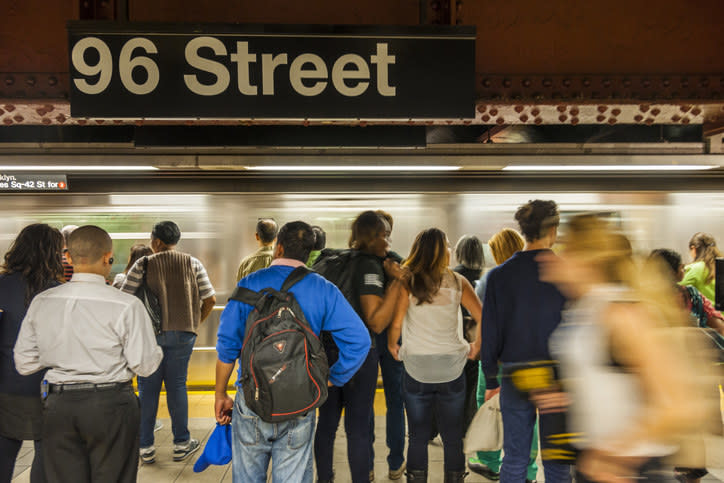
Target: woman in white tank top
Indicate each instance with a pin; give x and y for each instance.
(434, 352)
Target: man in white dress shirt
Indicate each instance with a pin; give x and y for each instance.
(93, 339)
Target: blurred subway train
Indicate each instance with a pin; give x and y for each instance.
(218, 228)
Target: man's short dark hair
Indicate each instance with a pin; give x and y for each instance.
(87, 244)
(166, 231)
(320, 238)
(297, 239)
(266, 229)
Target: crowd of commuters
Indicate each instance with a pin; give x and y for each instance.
(444, 340)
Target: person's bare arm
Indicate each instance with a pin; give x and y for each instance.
(395, 329)
(716, 324)
(472, 304)
(223, 404)
(207, 305)
(377, 311)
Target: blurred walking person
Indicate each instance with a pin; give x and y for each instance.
(631, 388)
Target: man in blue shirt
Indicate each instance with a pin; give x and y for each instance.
(289, 443)
(519, 314)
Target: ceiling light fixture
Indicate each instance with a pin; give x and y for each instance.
(61, 168)
(611, 167)
(354, 168)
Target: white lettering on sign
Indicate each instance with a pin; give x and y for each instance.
(126, 66)
(339, 74)
(308, 74)
(243, 58)
(211, 66)
(383, 60)
(268, 64)
(104, 67)
(297, 73)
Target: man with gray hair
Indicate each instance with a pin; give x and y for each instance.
(266, 233)
(186, 297)
(93, 339)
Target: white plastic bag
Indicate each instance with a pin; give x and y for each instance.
(486, 429)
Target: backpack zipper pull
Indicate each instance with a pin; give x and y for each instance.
(281, 311)
(256, 394)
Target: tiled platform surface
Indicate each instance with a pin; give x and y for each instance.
(201, 423)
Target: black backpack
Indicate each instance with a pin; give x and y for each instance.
(284, 367)
(339, 266)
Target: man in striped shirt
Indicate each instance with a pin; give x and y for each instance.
(187, 298)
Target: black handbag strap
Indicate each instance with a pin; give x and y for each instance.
(145, 269)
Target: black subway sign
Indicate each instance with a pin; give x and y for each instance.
(33, 182)
(191, 71)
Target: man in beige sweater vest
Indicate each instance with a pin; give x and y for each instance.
(186, 298)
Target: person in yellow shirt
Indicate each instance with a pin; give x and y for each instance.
(266, 234)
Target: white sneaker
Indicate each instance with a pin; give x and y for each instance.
(184, 450)
(148, 455)
(158, 425)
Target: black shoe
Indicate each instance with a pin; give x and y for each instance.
(455, 476)
(484, 471)
(416, 475)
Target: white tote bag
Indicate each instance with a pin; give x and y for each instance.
(486, 429)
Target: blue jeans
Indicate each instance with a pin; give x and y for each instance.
(357, 398)
(254, 442)
(392, 382)
(445, 401)
(519, 416)
(177, 347)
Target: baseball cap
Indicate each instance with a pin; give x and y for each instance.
(217, 450)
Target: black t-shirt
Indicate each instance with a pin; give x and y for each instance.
(369, 279)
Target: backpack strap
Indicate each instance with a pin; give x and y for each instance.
(297, 275)
(697, 305)
(243, 294)
(250, 297)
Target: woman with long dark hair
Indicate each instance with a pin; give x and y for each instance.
(433, 352)
(32, 265)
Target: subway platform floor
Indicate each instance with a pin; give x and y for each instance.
(202, 423)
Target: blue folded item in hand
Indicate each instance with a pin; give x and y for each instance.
(217, 450)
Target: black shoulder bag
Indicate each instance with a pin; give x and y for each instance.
(150, 300)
